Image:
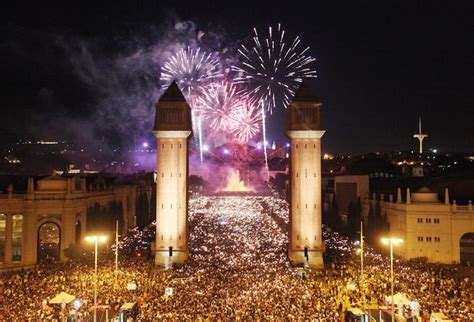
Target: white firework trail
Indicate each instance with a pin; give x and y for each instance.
(272, 69)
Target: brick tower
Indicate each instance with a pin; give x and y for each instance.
(172, 130)
(303, 128)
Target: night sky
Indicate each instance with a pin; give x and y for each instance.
(74, 69)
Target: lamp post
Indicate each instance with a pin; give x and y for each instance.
(362, 264)
(392, 241)
(95, 239)
(116, 248)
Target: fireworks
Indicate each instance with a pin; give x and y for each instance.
(192, 70)
(217, 104)
(246, 123)
(272, 69)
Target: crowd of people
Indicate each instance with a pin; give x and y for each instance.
(238, 269)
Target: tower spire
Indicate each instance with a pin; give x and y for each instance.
(420, 136)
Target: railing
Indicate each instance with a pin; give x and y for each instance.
(58, 195)
(12, 196)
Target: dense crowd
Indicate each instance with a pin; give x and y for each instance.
(238, 268)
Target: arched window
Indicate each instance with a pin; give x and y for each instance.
(17, 237)
(49, 242)
(3, 225)
(467, 249)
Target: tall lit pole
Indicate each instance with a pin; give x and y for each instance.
(362, 262)
(95, 239)
(116, 248)
(391, 242)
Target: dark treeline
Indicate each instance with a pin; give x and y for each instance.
(375, 225)
(103, 218)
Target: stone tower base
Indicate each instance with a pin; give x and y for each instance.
(315, 258)
(164, 260)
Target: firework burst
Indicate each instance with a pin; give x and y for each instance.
(192, 70)
(246, 122)
(272, 69)
(217, 104)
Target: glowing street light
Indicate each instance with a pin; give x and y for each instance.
(96, 239)
(392, 241)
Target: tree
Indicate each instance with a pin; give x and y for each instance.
(143, 210)
(371, 224)
(354, 217)
(334, 219)
(351, 217)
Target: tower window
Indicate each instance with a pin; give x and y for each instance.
(428, 239)
(420, 220)
(315, 146)
(437, 239)
(297, 146)
(436, 220)
(297, 237)
(171, 145)
(180, 145)
(428, 220)
(420, 238)
(162, 146)
(305, 146)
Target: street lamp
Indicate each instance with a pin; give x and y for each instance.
(392, 241)
(361, 251)
(96, 239)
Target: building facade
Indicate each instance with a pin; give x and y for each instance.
(58, 202)
(429, 228)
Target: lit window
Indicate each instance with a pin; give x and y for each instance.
(17, 232)
(3, 224)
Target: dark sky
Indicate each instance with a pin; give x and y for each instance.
(380, 64)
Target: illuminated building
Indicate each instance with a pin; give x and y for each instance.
(58, 203)
(430, 229)
(303, 128)
(441, 232)
(172, 130)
